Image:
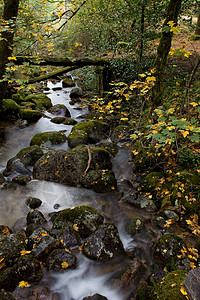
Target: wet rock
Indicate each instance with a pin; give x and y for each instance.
(10, 247)
(139, 200)
(70, 238)
(41, 100)
(192, 284)
(112, 148)
(159, 222)
(70, 121)
(127, 278)
(56, 206)
(60, 260)
(94, 129)
(35, 216)
(30, 155)
(31, 228)
(77, 137)
(76, 93)
(28, 105)
(18, 97)
(30, 115)
(58, 88)
(2, 179)
(105, 184)
(90, 178)
(63, 120)
(137, 225)
(32, 293)
(59, 109)
(21, 179)
(166, 252)
(170, 214)
(95, 297)
(33, 202)
(6, 296)
(85, 218)
(61, 166)
(15, 165)
(5, 230)
(42, 243)
(26, 269)
(68, 82)
(48, 138)
(104, 243)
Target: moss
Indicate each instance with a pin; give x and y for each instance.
(30, 115)
(146, 292)
(18, 97)
(105, 184)
(41, 100)
(151, 181)
(77, 137)
(68, 82)
(194, 37)
(169, 287)
(112, 148)
(27, 105)
(91, 127)
(52, 137)
(9, 108)
(30, 155)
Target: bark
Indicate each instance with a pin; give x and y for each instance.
(6, 42)
(197, 29)
(163, 51)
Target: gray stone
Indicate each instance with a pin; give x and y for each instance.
(192, 284)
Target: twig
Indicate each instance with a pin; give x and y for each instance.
(89, 159)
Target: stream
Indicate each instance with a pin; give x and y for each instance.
(89, 277)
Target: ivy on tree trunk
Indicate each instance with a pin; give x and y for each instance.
(163, 51)
(6, 40)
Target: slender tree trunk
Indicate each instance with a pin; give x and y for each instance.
(163, 51)
(6, 42)
(142, 32)
(197, 29)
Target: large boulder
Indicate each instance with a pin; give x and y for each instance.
(76, 92)
(104, 243)
(48, 138)
(61, 166)
(30, 155)
(70, 238)
(84, 218)
(36, 217)
(30, 115)
(41, 100)
(68, 82)
(9, 108)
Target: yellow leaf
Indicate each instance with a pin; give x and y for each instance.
(23, 284)
(64, 265)
(23, 252)
(183, 291)
(184, 132)
(75, 227)
(42, 69)
(193, 104)
(12, 58)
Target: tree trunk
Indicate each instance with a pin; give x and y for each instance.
(142, 33)
(197, 29)
(163, 51)
(6, 42)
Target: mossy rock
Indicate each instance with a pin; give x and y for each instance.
(137, 225)
(60, 260)
(120, 133)
(63, 120)
(86, 218)
(77, 137)
(9, 108)
(21, 179)
(28, 105)
(11, 246)
(112, 148)
(48, 138)
(166, 252)
(30, 115)
(30, 155)
(76, 92)
(59, 109)
(107, 183)
(70, 121)
(169, 287)
(41, 100)
(18, 97)
(95, 129)
(68, 82)
(146, 292)
(89, 179)
(61, 166)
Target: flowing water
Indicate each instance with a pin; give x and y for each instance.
(89, 277)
